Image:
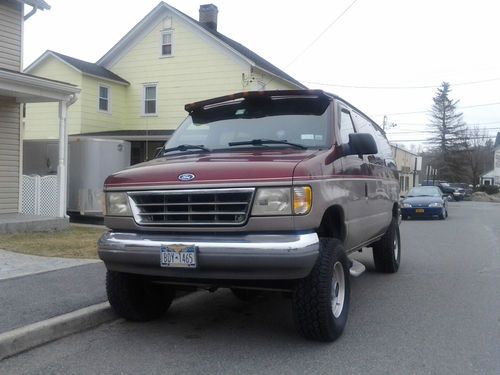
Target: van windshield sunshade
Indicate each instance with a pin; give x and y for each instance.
(260, 106)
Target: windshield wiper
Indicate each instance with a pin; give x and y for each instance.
(261, 142)
(185, 148)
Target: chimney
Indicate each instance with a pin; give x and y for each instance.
(208, 16)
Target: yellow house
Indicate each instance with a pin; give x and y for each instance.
(138, 89)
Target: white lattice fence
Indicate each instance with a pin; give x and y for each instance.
(40, 195)
(29, 193)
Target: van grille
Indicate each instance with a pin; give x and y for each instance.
(192, 207)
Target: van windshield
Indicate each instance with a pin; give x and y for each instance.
(302, 121)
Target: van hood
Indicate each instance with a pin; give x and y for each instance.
(216, 167)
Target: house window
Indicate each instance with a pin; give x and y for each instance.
(149, 99)
(166, 43)
(103, 98)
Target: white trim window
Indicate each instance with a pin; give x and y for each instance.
(166, 44)
(103, 103)
(150, 94)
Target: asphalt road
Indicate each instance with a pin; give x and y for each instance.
(440, 314)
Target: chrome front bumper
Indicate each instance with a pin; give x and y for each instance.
(264, 256)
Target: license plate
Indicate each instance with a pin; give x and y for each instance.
(181, 256)
(419, 210)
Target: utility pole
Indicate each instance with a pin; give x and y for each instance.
(386, 124)
(415, 171)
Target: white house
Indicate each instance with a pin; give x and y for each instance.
(493, 177)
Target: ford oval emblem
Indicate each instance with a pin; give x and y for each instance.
(186, 177)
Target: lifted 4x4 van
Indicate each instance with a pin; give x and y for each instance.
(258, 190)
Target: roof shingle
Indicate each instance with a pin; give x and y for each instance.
(90, 68)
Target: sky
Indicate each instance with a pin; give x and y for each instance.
(377, 55)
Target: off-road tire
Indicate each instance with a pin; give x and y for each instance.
(312, 296)
(384, 255)
(135, 298)
(246, 295)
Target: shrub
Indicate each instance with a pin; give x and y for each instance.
(488, 189)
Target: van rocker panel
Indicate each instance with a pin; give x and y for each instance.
(256, 256)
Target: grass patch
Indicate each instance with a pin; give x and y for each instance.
(76, 242)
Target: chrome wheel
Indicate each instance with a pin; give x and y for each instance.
(338, 289)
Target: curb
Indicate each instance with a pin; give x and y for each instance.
(36, 334)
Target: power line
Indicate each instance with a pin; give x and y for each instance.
(389, 133)
(472, 123)
(415, 112)
(427, 140)
(321, 34)
(400, 87)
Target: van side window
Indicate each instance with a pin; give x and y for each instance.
(384, 149)
(346, 126)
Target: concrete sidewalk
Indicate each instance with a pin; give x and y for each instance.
(16, 264)
(33, 289)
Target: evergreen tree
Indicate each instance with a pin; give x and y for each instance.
(448, 135)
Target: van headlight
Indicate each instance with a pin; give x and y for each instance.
(117, 205)
(282, 201)
(272, 201)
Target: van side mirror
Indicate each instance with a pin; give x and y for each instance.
(360, 144)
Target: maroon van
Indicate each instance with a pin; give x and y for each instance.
(258, 190)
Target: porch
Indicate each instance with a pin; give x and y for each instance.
(16, 89)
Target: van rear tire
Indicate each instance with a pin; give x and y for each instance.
(387, 250)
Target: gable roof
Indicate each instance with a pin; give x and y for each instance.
(248, 55)
(85, 67)
(39, 4)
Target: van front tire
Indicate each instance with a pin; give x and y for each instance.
(321, 300)
(135, 298)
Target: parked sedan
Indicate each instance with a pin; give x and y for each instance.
(425, 201)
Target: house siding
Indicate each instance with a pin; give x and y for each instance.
(94, 120)
(262, 80)
(9, 155)
(11, 20)
(199, 69)
(42, 119)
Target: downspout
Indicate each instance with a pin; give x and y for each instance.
(62, 168)
(31, 13)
